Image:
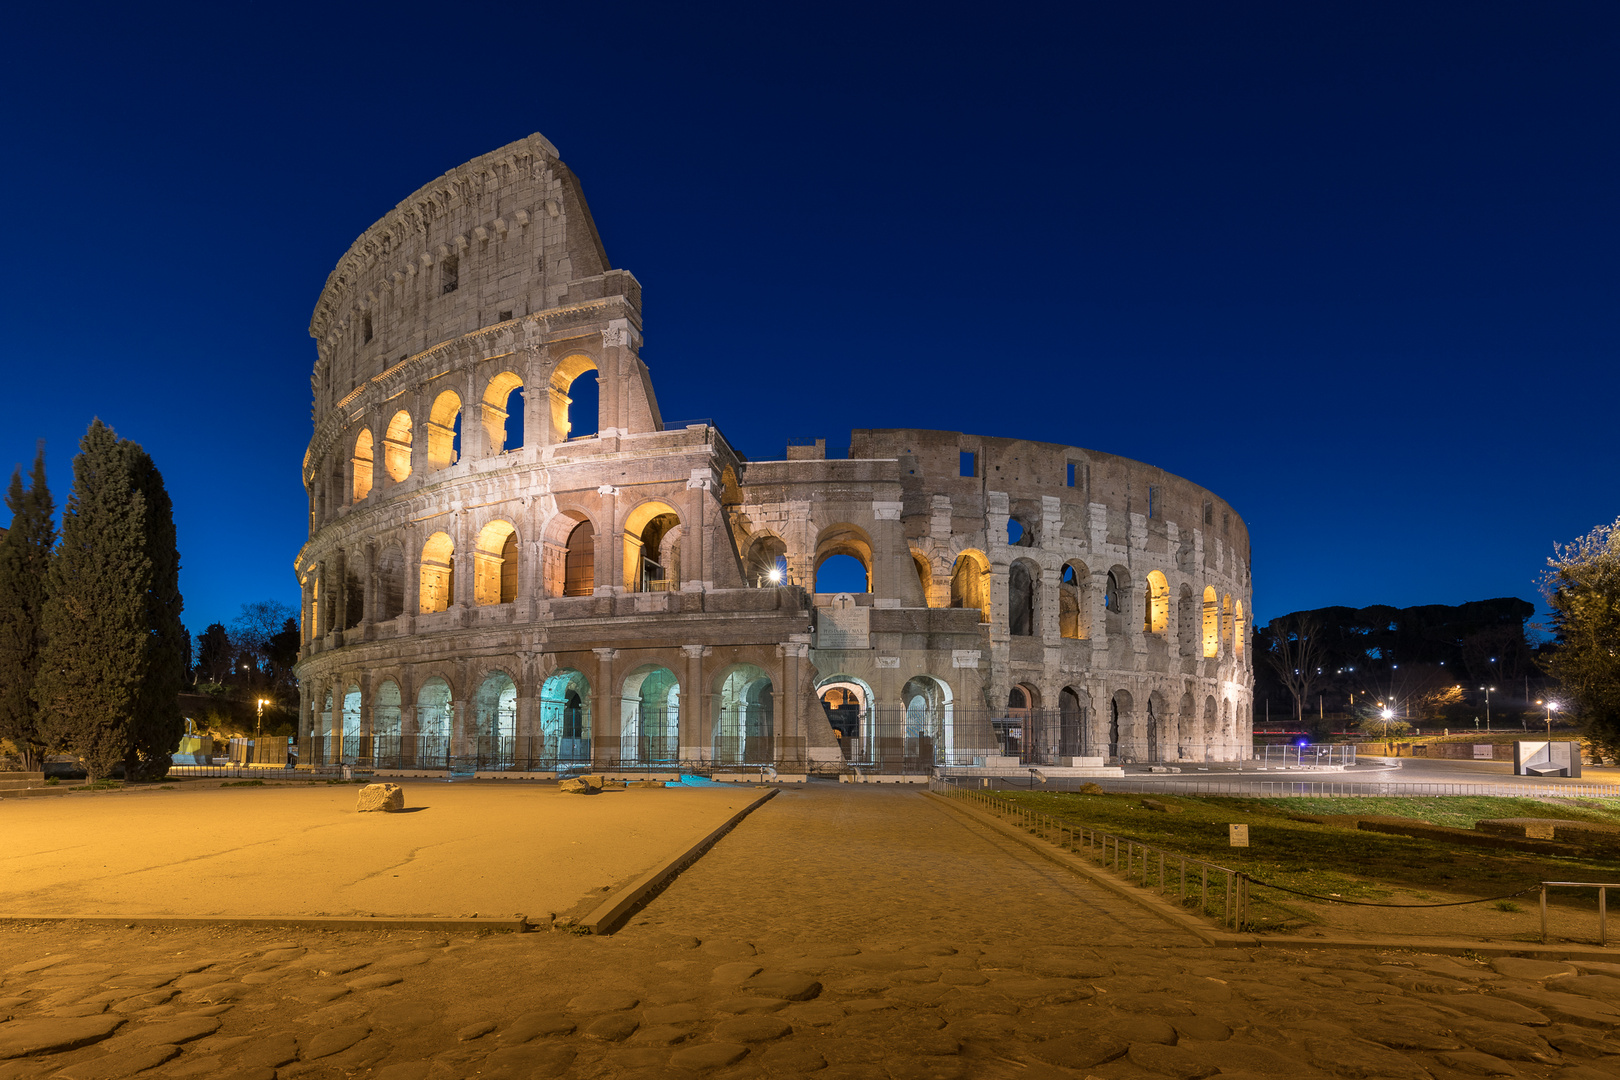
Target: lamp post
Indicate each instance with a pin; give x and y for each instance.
(1487, 690)
(1551, 705)
(259, 733)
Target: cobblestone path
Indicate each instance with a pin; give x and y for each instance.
(839, 932)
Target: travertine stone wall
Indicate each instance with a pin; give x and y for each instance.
(493, 277)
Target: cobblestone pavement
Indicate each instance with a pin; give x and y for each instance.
(844, 932)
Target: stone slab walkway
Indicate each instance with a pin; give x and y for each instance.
(835, 933)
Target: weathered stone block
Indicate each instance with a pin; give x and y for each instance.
(386, 797)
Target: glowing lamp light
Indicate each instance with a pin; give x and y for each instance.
(1389, 714)
(775, 576)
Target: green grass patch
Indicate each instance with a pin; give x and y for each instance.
(1320, 858)
(99, 785)
(243, 783)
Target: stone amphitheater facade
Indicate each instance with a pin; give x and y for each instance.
(617, 591)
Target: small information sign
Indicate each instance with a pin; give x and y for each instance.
(1240, 835)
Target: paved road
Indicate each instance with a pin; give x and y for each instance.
(844, 932)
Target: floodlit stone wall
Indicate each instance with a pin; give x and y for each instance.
(610, 590)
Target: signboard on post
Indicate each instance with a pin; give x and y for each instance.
(1239, 835)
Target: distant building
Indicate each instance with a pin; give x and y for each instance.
(616, 590)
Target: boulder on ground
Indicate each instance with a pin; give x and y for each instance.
(649, 783)
(1163, 808)
(387, 797)
(579, 786)
(1090, 789)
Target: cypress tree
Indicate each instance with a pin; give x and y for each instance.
(155, 721)
(25, 556)
(112, 665)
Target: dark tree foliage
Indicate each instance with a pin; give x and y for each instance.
(156, 724)
(25, 558)
(214, 653)
(1364, 650)
(281, 651)
(1582, 586)
(114, 657)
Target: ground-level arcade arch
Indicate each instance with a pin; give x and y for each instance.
(385, 712)
(848, 703)
(650, 716)
(495, 708)
(929, 707)
(745, 716)
(434, 711)
(565, 716)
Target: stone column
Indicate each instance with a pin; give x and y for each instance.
(697, 742)
(1050, 629)
(609, 545)
(605, 720)
(461, 558)
(611, 372)
(888, 548)
(695, 573)
(339, 587)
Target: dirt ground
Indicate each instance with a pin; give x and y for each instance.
(839, 931)
(457, 850)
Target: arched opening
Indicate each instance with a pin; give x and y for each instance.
(970, 583)
(1019, 533)
(503, 413)
(565, 717)
(1212, 623)
(351, 725)
(1186, 626)
(1116, 601)
(433, 722)
(495, 717)
(1119, 720)
(1113, 595)
(444, 431)
(397, 447)
(1238, 631)
(390, 583)
(928, 706)
(1015, 731)
(925, 575)
(1073, 617)
(652, 549)
(385, 714)
(1226, 624)
(575, 399)
(1207, 741)
(847, 702)
(579, 561)
(843, 559)
(362, 464)
(730, 492)
(354, 597)
(766, 564)
(438, 575)
(495, 564)
(1071, 723)
(744, 731)
(1156, 607)
(650, 716)
(1021, 578)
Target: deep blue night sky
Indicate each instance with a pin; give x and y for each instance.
(1352, 266)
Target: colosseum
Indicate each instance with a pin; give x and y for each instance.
(496, 579)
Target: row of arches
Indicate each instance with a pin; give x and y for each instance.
(1126, 731)
(646, 729)
(500, 411)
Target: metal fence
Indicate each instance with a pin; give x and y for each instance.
(1151, 867)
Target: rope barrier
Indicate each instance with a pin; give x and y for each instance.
(1374, 903)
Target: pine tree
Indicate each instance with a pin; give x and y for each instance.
(114, 658)
(25, 556)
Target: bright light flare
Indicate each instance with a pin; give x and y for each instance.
(775, 576)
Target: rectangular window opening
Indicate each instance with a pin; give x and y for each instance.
(365, 330)
(969, 463)
(1209, 512)
(449, 274)
(1153, 501)
(1071, 474)
(506, 316)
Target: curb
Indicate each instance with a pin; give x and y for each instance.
(612, 912)
(517, 924)
(1180, 920)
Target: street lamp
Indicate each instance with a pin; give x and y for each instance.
(1487, 690)
(259, 734)
(1551, 706)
